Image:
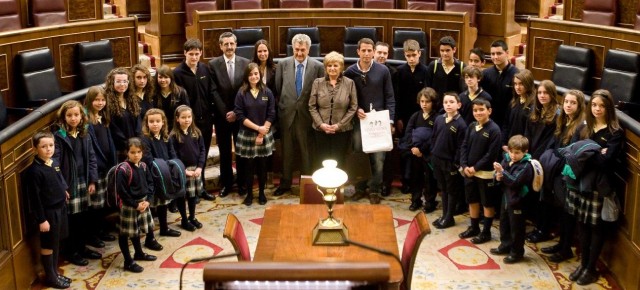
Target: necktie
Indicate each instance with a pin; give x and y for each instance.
(299, 79)
(230, 71)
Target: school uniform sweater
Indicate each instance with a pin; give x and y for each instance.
(467, 107)
(482, 147)
(103, 146)
(45, 187)
(416, 136)
(258, 110)
(443, 82)
(447, 139)
(515, 122)
(201, 90)
(539, 135)
(190, 151)
(156, 148)
(71, 167)
(141, 185)
(408, 86)
(169, 103)
(499, 84)
(123, 127)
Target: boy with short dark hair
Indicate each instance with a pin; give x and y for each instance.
(411, 78)
(47, 194)
(472, 76)
(480, 150)
(516, 174)
(444, 74)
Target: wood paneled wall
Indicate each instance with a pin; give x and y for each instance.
(544, 37)
(275, 22)
(626, 11)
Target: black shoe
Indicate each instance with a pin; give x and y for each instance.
(58, 283)
(386, 190)
(576, 273)
(242, 191)
(482, 238)
(262, 200)
(511, 259)
(470, 232)
(248, 200)
(170, 233)
(588, 277)
(358, 195)
(107, 237)
(280, 191)
(499, 251)
(195, 223)
(430, 207)
(415, 206)
(437, 221)
(133, 267)
(405, 188)
(77, 260)
(560, 256)
(90, 254)
(445, 224)
(208, 196)
(374, 198)
(551, 249)
(186, 225)
(224, 192)
(153, 245)
(538, 236)
(64, 278)
(95, 242)
(173, 208)
(144, 257)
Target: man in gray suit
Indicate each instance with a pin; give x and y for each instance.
(228, 71)
(294, 78)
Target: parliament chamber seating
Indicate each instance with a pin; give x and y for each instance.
(200, 5)
(418, 229)
(601, 12)
(422, 5)
(312, 32)
(95, 61)
(378, 4)
(9, 15)
(573, 68)
(337, 3)
(234, 232)
(620, 76)
(246, 41)
(36, 77)
(400, 36)
(246, 4)
(295, 4)
(468, 6)
(351, 37)
(48, 12)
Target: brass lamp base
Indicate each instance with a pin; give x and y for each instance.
(330, 231)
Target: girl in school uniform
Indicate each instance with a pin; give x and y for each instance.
(123, 108)
(77, 159)
(188, 142)
(144, 87)
(255, 111)
(520, 107)
(104, 149)
(169, 95)
(134, 186)
(603, 128)
(155, 137)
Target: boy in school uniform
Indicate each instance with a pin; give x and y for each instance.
(515, 173)
(47, 194)
(472, 77)
(445, 74)
(480, 150)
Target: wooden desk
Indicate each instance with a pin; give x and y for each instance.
(286, 235)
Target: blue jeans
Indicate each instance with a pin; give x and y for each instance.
(376, 161)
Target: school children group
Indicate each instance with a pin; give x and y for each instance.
(470, 137)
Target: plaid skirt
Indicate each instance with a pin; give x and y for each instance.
(194, 184)
(246, 144)
(97, 199)
(133, 222)
(80, 202)
(585, 206)
(157, 201)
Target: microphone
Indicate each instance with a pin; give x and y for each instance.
(377, 250)
(203, 259)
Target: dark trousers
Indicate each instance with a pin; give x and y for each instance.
(224, 133)
(450, 183)
(78, 230)
(206, 128)
(297, 136)
(331, 146)
(512, 228)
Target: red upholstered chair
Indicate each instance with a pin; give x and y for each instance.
(309, 192)
(468, 6)
(295, 4)
(48, 12)
(378, 4)
(422, 5)
(9, 15)
(191, 6)
(234, 232)
(601, 12)
(418, 229)
(337, 3)
(246, 4)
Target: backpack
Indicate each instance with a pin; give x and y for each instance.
(113, 197)
(538, 175)
(169, 178)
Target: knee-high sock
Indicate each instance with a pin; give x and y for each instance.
(49, 270)
(123, 242)
(162, 217)
(180, 203)
(137, 246)
(192, 207)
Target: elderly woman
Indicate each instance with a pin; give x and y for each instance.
(332, 104)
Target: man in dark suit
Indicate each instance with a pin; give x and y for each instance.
(195, 78)
(227, 71)
(294, 78)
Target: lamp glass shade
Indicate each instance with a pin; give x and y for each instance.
(329, 176)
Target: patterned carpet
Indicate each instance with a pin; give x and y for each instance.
(444, 261)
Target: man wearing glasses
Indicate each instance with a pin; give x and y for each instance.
(375, 92)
